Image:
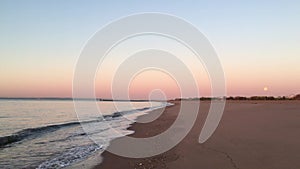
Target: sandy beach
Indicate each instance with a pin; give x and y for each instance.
(251, 134)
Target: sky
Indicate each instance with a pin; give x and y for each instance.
(257, 43)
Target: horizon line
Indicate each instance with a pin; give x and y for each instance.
(177, 98)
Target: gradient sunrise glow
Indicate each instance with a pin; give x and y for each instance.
(257, 43)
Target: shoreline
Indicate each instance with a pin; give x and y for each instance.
(107, 160)
(251, 134)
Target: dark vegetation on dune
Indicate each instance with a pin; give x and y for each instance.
(296, 97)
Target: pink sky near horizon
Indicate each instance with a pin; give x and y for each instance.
(242, 79)
(60, 85)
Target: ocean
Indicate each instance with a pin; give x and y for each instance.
(47, 133)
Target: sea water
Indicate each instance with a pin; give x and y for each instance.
(47, 133)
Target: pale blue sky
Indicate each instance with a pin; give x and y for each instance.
(40, 40)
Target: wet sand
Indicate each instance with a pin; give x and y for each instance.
(251, 135)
